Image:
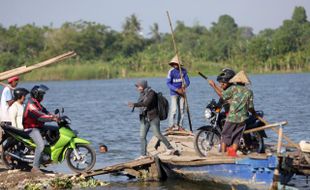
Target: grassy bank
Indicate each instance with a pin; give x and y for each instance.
(100, 70)
(78, 71)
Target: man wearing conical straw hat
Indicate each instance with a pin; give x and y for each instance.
(177, 91)
(240, 99)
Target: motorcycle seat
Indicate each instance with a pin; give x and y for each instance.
(16, 131)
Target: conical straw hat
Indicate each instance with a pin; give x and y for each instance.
(175, 60)
(240, 77)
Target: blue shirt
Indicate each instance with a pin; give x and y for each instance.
(174, 80)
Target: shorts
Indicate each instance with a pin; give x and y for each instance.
(232, 133)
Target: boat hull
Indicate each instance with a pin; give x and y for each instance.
(252, 173)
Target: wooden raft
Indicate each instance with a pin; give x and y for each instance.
(142, 168)
(183, 142)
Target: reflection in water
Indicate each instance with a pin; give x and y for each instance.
(98, 109)
(171, 184)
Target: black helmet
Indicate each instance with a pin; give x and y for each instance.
(225, 75)
(19, 92)
(37, 92)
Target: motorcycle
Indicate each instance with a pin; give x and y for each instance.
(60, 143)
(209, 136)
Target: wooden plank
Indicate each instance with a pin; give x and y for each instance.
(266, 127)
(153, 173)
(181, 133)
(285, 137)
(133, 172)
(200, 162)
(119, 167)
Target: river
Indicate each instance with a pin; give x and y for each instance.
(98, 109)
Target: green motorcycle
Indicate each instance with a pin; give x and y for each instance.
(61, 143)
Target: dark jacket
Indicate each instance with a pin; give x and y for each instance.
(149, 102)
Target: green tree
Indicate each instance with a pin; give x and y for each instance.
(260, 47)
(132, 41)
(223, 34)
(299, 15)
(155, 34)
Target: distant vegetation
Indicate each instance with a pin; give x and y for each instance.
(106, 53)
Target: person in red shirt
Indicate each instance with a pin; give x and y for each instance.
(35, 115)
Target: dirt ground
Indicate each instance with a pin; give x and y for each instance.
(16, 179)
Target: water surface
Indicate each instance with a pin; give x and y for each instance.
(98, 109)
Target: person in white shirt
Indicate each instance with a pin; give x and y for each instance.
(16, 110)
(6, 101)
(7, 98)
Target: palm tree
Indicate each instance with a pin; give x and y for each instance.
(132, 25)
(155, 32)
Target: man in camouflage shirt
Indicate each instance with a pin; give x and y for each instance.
(240, 99)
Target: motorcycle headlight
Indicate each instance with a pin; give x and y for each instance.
(208, 113)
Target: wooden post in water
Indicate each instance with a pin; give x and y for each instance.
(276, 174)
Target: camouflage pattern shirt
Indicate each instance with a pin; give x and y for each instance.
(240, 99)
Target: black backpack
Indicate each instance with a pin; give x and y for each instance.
(163, 106)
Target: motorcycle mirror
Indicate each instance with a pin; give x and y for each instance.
(56, 111)
(62, 110)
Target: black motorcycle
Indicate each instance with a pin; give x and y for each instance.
(208, 136)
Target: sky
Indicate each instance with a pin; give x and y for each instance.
(258, 14)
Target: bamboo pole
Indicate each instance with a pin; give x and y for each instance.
(181, 73)
(39, 65)
(13, 70)
(284, 136)
(266, 127)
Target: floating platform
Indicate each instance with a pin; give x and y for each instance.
(255, 171)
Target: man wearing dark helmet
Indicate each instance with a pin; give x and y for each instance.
(223, 79)
(240, 100)
(34, 118)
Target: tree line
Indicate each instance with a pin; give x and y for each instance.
(286, 48)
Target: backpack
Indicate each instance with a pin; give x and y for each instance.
(163, 106)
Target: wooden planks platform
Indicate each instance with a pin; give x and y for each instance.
(149, 169)
(141, 168)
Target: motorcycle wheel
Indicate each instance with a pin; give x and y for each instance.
(205, 139)
(11, 146)
(254, 144)
(87, 161)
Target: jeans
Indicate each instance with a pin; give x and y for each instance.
(38, 140)
(145, 125)
(177, 104)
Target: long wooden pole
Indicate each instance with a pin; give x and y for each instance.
(181, 73)
(13, 70)
(284, 136)
(38, 65)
